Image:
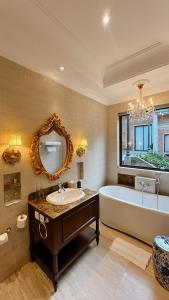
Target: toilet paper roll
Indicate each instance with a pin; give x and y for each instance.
(3, 238)
(21, 221)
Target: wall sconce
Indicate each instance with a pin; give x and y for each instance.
(82, 147)
(12, 155)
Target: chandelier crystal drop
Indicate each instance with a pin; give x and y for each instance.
(141, 110)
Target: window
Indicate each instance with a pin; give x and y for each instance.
(144, 145)
(142, 137)
(166, 143)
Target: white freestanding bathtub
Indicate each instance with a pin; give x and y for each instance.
(126, 210)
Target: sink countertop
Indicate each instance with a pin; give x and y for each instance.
(54, 211)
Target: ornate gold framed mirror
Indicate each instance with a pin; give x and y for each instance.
(51, 149)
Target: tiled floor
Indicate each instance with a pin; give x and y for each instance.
(98, 274)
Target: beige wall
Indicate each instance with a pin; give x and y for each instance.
(113, 145)
(26, 100)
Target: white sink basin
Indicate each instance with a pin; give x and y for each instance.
(65, 197)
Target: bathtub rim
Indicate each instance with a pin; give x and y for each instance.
(129, 203)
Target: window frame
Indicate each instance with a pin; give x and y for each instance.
(120, 115)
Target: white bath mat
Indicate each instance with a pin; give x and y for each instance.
(136, 255)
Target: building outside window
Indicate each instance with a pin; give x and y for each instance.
(142, 137)
(145, 145)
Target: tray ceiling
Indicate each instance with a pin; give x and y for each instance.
(99, 62)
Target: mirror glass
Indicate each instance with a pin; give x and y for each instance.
(52, 151)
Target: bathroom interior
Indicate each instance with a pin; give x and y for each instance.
(84, 150)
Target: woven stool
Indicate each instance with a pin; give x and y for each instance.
(161, 260)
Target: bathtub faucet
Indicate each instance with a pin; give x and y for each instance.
(157, 181)
(61, 187)
(144, 184)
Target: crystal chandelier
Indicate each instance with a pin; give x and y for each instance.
(142, 110)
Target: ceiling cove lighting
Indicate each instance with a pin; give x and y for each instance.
(105, 19)
(142, 109)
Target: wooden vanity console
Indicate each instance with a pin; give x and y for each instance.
(63, 233)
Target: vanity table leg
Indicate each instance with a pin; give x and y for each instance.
(55, 271)
(55, 284)
(97, 231)
(31, 245)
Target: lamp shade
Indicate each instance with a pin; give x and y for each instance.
(84, 143)
(15, 140)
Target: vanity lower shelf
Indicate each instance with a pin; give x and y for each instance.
(67, 254)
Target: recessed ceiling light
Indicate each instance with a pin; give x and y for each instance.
(61, 68)
(106, 19)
